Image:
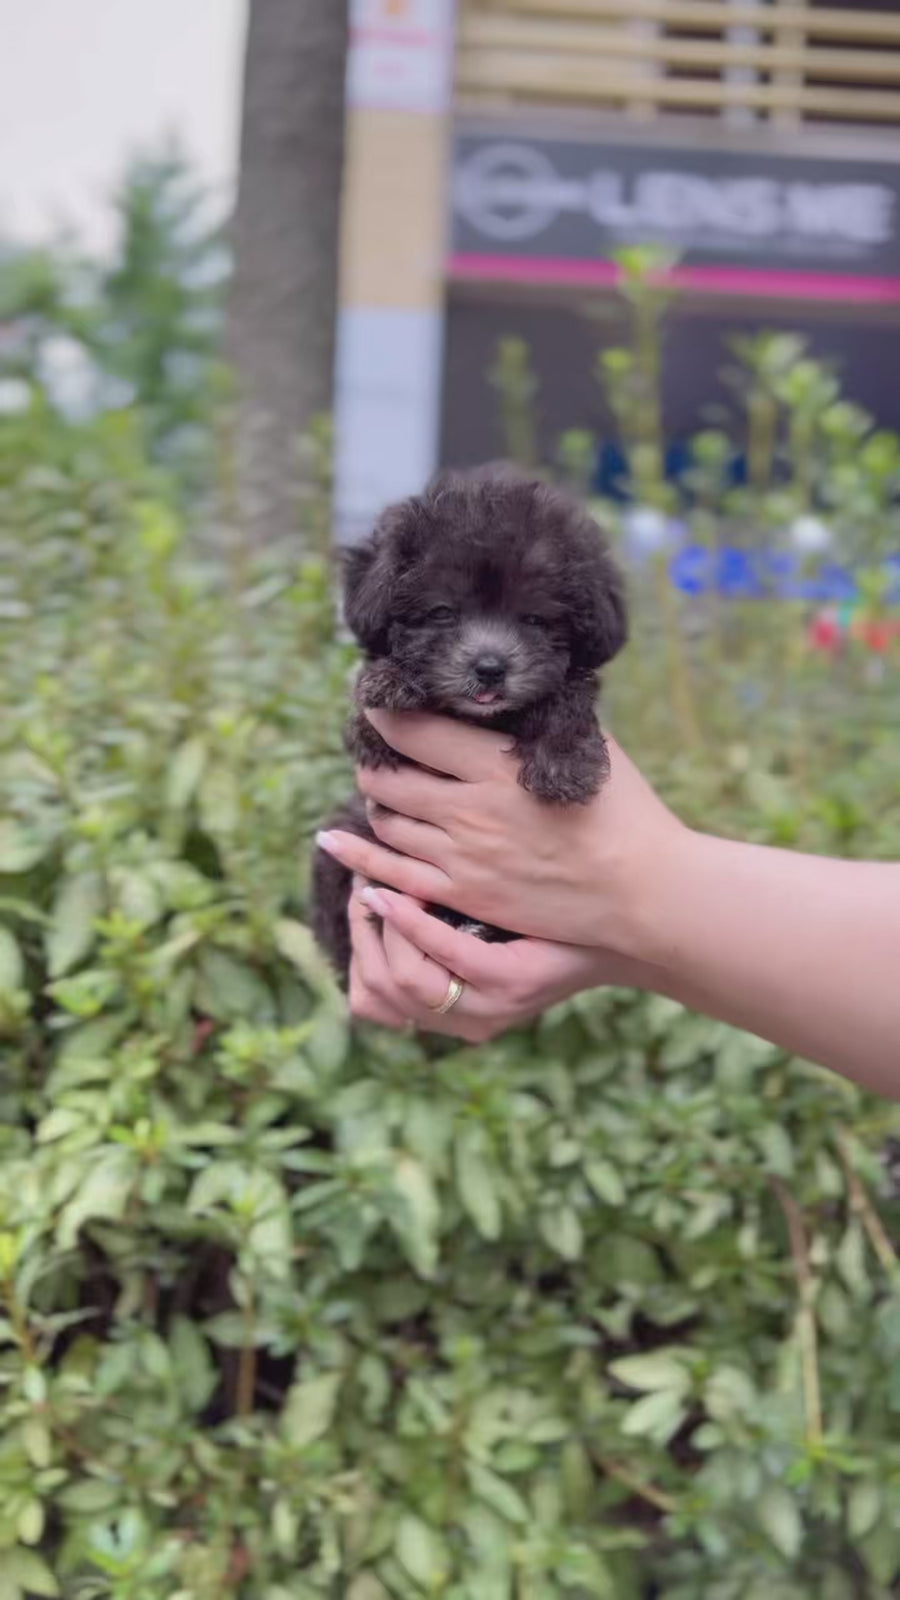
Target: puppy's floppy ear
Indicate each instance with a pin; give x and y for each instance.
(367, 594)
(600, 614)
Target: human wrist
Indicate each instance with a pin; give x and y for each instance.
(642, 918)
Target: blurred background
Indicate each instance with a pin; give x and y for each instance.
(609, 1307)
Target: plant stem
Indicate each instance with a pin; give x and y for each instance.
(862, 1207)
(807, 1334)
(645, 1491)
(19, 1320)
(246, 1377)
(679, 672)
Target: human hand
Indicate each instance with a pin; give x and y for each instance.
(400, 973)
(466, 834)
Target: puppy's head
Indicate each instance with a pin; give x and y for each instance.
(488, 592)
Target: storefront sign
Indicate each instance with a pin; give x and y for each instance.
(556, 210)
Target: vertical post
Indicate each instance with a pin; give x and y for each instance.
(789, 77)
(391, 323)
(741, 116)
(642, 105)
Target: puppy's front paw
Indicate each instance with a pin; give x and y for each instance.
(367, 747)
(570, 777)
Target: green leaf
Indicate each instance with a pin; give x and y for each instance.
(327, 1044)
(850, 1258)
(658, 1416)
(576, 1479)
(30, 1526)
(24, 1570)
(185, 772)
(606, 1182)
(367, 1587)
(91, 1496)
(195, 1373)
(297, 945)
(421, 1553)
(231, 991)
(561, 1230)
(87, 993)
(230, 1330)
(582, 1568)
(309, 1409)
(71, 934)
(780, 1520)
(37, 1443)
(863, 1508)
(136, 896)
(220, 802)
(20, 848)
(880, 1551)
(660, 1369)
(103, 1194)
(219, 1183)
(12, 966)
(776, 1150)
(61, 1121)
(730, 1393)
(475, 1184)
(418, 1222)
(497, 1493)
(34, 1385)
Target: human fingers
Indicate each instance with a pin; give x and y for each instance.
(423, 983)
(422, 795)
(372, 995)
(409, 838)
(367, 943)
(368, 1006)
(394, 984)
(442, 744)
(416, 878)
(459, 953)
(509, 980)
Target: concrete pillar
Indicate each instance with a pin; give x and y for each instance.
(391, 323)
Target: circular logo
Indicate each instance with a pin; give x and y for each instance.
(508, 191)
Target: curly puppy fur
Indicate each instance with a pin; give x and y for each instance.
(492, 598)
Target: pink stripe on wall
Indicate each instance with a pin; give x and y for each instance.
(773, 284)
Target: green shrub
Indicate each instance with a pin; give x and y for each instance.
(607, 1308)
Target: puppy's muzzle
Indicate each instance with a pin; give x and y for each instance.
(489, 669)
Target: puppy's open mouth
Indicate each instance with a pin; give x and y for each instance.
(482, 702)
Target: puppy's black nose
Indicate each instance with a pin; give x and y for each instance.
(489, 669)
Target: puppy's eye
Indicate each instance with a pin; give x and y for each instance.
(441, 614)
(532, 620)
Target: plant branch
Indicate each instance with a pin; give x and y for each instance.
(807, 1334)
(645, 1491)
(863, 1208)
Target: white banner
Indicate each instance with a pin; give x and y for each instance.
(386, 412)
(401, 55)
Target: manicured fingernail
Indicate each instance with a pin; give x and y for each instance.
(329, 843)
(375, 901)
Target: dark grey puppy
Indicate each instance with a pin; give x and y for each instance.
(493, 598)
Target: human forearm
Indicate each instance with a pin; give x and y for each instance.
(798, 949)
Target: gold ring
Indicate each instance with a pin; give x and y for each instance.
(455, 990)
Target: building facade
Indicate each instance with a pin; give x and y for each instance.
(502, 151)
